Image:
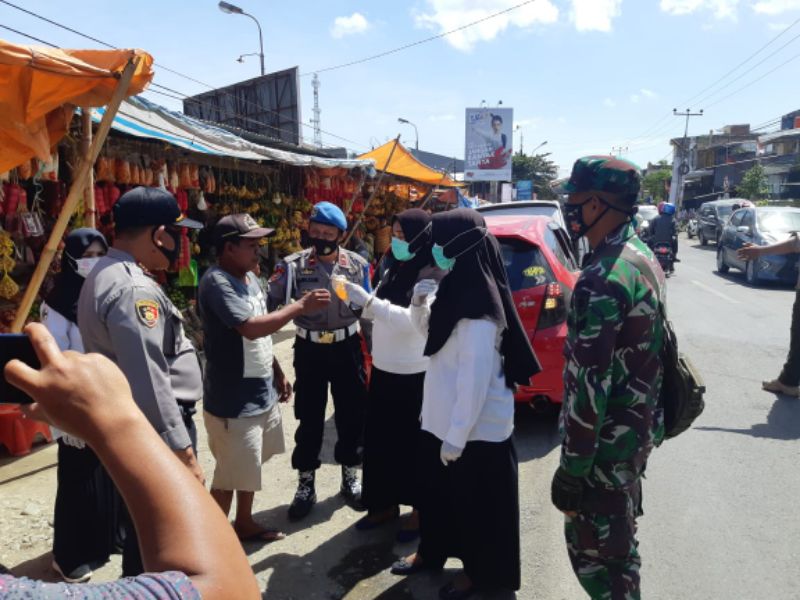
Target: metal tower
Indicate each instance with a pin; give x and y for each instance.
(316, 120)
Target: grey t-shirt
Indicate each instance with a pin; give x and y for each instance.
(239, 374)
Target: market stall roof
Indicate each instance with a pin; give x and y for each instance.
(141, 118)
(42, 86)
(403, 164)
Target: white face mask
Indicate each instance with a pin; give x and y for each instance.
(84, 266)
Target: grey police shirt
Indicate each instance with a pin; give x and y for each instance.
(124, 315)
(303, 272)
(239, 375)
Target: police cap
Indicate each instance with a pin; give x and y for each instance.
(143, 206)
(328, 214)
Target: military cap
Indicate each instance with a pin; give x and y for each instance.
(603, 174)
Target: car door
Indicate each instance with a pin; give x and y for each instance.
(743, 234)
(707, 222)
(728, 239)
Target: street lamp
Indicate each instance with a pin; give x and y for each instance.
(416, 133)
(537, 147)
(521, 139)
(232, 9)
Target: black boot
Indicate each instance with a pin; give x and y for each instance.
(304, 498)
(351, 488)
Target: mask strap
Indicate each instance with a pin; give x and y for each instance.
(470, 247)
(424, 230)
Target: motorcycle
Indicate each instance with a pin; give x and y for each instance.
(691, 228)
(664, 256)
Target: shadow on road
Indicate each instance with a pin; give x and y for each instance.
(783, 422)
(699, 246)
(37, 568)
(535, 434)
(737, 278)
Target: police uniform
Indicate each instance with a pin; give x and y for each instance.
(125, 315)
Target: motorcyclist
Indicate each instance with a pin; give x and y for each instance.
(663, 228)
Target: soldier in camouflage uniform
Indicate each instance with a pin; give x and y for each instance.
(610, 419)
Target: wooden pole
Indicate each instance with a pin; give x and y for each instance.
(86, 143)
(430, 194)
(374, 192)
(75, 191)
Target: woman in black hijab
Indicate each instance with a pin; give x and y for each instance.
(398, 373)
(469, 504)
(87, 506)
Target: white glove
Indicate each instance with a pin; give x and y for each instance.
(449, 453)
(422, 290)
(357, 295)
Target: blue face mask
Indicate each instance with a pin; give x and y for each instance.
(400, 250)
(444, 263)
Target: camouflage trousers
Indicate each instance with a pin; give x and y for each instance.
(604, 554)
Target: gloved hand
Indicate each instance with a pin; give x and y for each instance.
(566, 491)
(422, 290)
(449, 453)
(357, 295)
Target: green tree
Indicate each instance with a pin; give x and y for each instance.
(754, 185)
(654, 184)
(539, 169)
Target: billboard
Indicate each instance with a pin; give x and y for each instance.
(268, 105)
(489, 144)
(525, 189)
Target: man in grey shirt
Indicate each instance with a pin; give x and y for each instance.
(126, 316)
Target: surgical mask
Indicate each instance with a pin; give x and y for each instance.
(446, 263)
(84, 266)
(323, 247)
(400, 250)
(170, 255)
(573, 217)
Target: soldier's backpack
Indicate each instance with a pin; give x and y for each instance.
(682, 387)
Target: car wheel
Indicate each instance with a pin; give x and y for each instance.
(722, 267)
(701, 236)
(751, 273)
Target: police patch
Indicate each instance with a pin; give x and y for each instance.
(147, 311)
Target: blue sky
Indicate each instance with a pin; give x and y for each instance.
(585, 75)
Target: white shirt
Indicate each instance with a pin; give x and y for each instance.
(397, 344)
(65, 332)
(466, 398)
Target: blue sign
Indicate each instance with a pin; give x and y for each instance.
(525, 189)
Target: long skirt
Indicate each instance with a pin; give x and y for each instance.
(86, 523)
(470, 510)
(390, 438)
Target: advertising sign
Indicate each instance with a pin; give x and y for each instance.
(489, 144)
(525, 189)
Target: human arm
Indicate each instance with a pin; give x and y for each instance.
(281, 382)
(88, 396)
(263, 325)
(751, 251)
(420, 308)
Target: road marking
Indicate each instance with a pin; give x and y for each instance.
(711, 290)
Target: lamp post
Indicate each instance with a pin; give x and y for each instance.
(416, 133)
(537, 147)
(232, 9)
(521, 139)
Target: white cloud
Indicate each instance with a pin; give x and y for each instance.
(594, 15)
(775, 7)
(648, 93)
(437, 118)
(609, 103)
(778, 26)
(446, 15)
(635, 98)
(722, 9)
(344, 26)
(643, 94)
(531, 122)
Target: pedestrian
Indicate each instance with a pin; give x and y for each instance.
(478, 349)
(397, 378)
(788, 382)
(243, 381)
(126, 316)
(610, 419)
(86, 515)
(327, 351)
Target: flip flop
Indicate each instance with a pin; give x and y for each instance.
(265, 535)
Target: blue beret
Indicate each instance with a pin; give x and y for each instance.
(328, 214)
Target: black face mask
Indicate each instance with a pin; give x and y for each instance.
(573, 215)
(171, 255)
(323, 247)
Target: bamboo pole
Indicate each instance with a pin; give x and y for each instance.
(374, 192)
(75, 191)
(89, 207)
(433, 190)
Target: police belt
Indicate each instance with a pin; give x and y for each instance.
(328, 337)
(612, 502)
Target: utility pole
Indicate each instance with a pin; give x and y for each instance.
(619, 150)
(681, 168)
(316, 121)
(521, 140)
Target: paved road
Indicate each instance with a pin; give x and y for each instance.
(720, 500)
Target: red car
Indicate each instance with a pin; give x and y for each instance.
(542, 275)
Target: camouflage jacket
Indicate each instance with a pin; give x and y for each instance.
(610, 419)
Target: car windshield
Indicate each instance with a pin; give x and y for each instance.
(778, 221)
(724, 211)
(647, 213)
(525, 264)
(510, 210)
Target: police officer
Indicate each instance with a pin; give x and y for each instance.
(610, 419)
(327, 351)
(126, 316)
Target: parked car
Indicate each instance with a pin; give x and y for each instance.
(542, 275)
(644, 214)
(712, 216)
(760, 225)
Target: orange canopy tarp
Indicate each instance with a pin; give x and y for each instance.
(403, 164)
(40, 88)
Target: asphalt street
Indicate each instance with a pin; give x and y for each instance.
(719, 500)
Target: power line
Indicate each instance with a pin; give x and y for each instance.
(35, 39)
(754, 81)
(420, 42)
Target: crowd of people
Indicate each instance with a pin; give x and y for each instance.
(432, 420)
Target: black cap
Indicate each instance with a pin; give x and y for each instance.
(143, 206)
(239, 226)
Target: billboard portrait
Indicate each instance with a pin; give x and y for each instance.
(489, 144)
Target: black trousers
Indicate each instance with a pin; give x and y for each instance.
(341, 365)
(470, 510)
(131, 554)
(791, 370)
(86, 521)
(390, 437)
